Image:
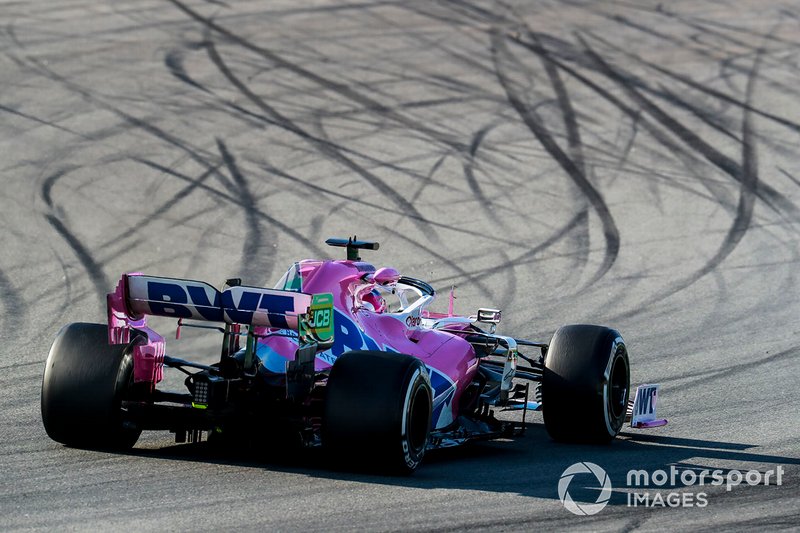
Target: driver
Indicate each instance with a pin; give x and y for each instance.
(373, 301)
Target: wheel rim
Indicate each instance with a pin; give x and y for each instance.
(419, 420)
(618, 386)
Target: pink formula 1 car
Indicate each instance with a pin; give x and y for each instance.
(340, 355)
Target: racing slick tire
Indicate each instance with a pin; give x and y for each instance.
(378, 411)
(585, 385)
(84, 382)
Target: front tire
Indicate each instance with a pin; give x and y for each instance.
(586, 384)
(85, 380)
(378, 410)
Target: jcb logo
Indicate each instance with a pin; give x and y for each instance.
(321, 318)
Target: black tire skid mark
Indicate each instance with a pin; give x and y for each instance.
(464, 276)
(469, 173)
(324, 138)
(429, 178)
(130, 119)
(729, 68)
(317, 224)
(714, 118)
(42, 69)
(616, 162)
(721, 124)
(257, 266)
(233, 199)
(122, 243)
(576, 222)
(571, 54)
(477, 12)
(749, 186)
(173, 141)
(173, 60)
(165, 206)
(531, 119)
(706, 31)
(328, 149)
(788, 13)
(95, 271)
(22, 365)
(248, 117)
(466, 59)
(552, 67)
(743, 315)
(210, 227)
(343, 90)
(700, 49)
(40, 121)
(218, 3)
(688, 158)
(770, 196)
(510, 277)
(66, 287)
(413, 104)
(60, 38)
(338, 208)
(647, 30)
(788, 175)
(672, 97)
(529, 256)
(710, 117)
(707, 376)
(763, 37)
(14, 316)
(575, 145)
(451, 84)
(623, 158)
(46, 291)
(793, 126)
(95, 136)
(354, 200)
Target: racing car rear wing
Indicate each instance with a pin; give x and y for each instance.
(137, 296)
(180, 298)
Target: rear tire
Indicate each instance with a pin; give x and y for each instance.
(378, 411)
(586, 384)
(85, 380)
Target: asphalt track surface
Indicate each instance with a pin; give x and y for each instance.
(625, 163)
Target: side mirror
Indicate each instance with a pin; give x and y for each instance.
(489, 316)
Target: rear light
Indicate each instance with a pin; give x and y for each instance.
(208, 391)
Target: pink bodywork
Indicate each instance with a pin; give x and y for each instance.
(359, 323)
(148, 353)
(650, 424)
(445, 354)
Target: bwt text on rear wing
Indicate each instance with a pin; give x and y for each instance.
(138, 295)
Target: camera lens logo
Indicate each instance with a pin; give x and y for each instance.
(584, 509)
